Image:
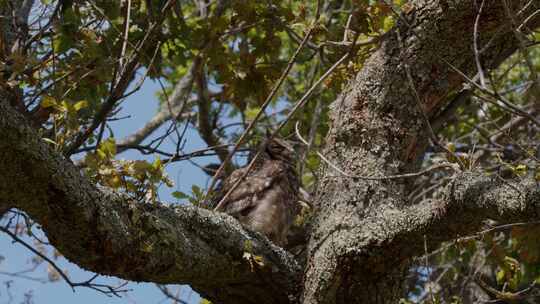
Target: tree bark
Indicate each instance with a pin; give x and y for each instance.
(363, 241)
(364, 232)
(110, 233)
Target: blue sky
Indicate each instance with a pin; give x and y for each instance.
(140, 106)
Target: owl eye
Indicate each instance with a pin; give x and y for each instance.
(246, 211)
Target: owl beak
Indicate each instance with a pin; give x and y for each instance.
(288, 146)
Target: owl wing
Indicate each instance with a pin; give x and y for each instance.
(250, 190)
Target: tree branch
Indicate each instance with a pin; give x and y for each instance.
(172, 108)
(470, 200)
(109, 233)
(362, 245)
(119, 84)
(204, 118)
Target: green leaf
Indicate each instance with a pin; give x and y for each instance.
(501, 274)
(196, 191)
(157, 165)
(180, 195)
(62, 43)
(251, 113)
(80, 105)
(107, 148)
(520, 170)
(48, 102)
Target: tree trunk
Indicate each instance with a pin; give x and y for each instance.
(378, 129)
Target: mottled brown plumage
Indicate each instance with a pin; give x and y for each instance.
(267, 200)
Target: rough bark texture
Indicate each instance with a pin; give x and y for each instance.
(364, 232)
(378, 129)
(110, 234)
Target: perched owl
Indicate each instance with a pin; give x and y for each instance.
(267, 200)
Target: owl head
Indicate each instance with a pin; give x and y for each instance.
(280, 149)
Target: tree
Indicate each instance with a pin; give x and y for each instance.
(394, 183)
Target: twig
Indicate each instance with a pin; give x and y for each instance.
(480, 234)
(418, 101)
(513, 124)
(126, 34)
(528, 19)
(22, 276)
(429, 271)
(517, 110)
(204, 117)
(263, 108)
(312, 133)
(504, 296)
(105, 289)
(389, 177)
(475, 46)
(169, 295)
(293, 111)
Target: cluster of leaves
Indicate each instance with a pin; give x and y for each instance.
(196, 197)
(64, 117)
(77, 59)
(138, 178)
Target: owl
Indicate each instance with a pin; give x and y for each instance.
(266, 201)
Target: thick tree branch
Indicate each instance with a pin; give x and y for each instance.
(111, 234)
(378, 129)
(469, 200)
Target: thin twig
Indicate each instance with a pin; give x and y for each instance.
(480, 235)
(169, 294)
(376, 178)
(263, 108)
(293, 111)
(475, 45)
(105, 289)
(418, 101)
(126, 34)
(517, 110)
(528, 19)
(429, 271)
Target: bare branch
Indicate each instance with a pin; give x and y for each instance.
(475, 47)
(103, 288)
(204, 118)
(469, 200)
(169, 294)
(173, 108)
